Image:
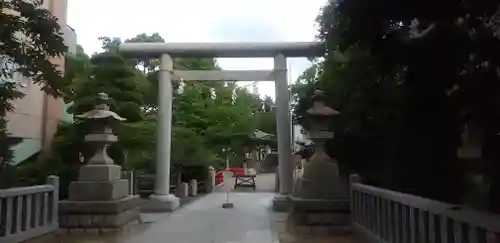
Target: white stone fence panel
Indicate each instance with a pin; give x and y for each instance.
(28, 212)
(382, 215)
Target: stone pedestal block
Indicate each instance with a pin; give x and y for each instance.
(320, 179)
(99, 214)
(182, 191)
(281, 203)
(100, 173)
(193, 187)
(328, 216)
(210, 181)
(98, 190)
(161, 203)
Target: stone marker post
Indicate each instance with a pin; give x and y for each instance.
(99, 198)
(193, 187)
(183, 190)
(210, 182)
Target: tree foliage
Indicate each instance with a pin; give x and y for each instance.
(109, 73)
(30, 39)
(408, 76)
(75, 68)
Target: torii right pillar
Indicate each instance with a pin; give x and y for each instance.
(283, 127)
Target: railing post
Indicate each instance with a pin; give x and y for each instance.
(8, 215)
(354, 178)
(54, 181)
(129, 175)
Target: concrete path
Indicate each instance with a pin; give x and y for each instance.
(204, 221)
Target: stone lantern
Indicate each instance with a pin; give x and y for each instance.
(320, 178)
(320, 199)
(101, 121)
(100, 197)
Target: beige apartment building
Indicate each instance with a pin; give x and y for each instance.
(37, 115)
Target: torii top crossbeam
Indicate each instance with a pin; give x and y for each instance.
(224, 49)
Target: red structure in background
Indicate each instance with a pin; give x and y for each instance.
(219, 179)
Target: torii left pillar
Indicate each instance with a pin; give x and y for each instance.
(162, 199)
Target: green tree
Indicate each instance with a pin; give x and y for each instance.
(403, 76)
(401, 124)
(219, 113)
(110, 44)
(76, 67)
(30, 39)
(266, 121)
(109, 73)
(146, 65)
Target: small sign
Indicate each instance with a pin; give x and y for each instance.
(227, 174)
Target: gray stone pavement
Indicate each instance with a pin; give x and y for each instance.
(204, 221)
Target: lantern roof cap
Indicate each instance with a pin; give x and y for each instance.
(319, 108)
(101, 110)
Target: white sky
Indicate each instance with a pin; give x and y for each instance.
(201, 21)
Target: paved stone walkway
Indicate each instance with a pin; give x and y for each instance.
(204, 221)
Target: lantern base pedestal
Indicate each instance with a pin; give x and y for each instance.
(320, 179)
(98, 190)
(100, 173)
(320, 201)
(281, 203)
(99, 214)
(321, 216)
(161, 203)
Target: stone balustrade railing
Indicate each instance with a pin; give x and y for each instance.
(382, 215)
(132, 185)
(27, 212)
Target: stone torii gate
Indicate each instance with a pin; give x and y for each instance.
(162, 199)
